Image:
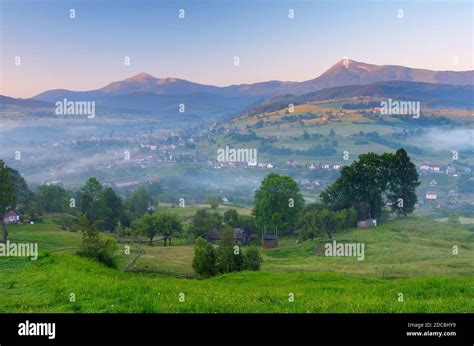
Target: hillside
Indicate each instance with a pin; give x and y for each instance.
(410, 256)
(429, 95)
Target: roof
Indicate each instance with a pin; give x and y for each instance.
(269, 237)
(11, 213)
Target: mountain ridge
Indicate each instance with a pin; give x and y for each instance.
(344, 72)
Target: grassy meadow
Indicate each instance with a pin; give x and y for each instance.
(412, 257)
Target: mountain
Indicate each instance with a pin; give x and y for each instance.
(162, 96)
(200, 106)
(350, 72)
(11, 102)
(429, 95)
(345, 72)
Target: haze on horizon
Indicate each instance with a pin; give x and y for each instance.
(87, 52)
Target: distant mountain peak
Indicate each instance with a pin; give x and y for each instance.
(142, 76)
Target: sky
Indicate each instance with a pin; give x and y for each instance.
(88, 51)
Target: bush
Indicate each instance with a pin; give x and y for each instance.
(94, 247)
(252, 259)
(204, 261)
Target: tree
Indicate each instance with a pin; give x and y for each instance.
(140, 203)
(228, 255)
(213, 201)
(23, 195)
(112, 211)
(93, 246)
(316, 220)
(277, 203)
(252, 259)
(168, 226)
(309, 226)
(361, 184)
(204, 260)
(90, 198)
(231, 217)
(147, 225)
(7, 197)
(154, 189)
(164, 223)
(248, 223)
(331, 221)
(403, 181)
(203, 223)
(52, 198)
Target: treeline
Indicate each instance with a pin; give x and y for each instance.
(362, 190)
(104, 208)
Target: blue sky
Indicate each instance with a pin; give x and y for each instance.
(87, 52)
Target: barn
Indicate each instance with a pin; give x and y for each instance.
(270, 241)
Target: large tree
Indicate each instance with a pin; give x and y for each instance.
(140, 203)
(24, 196)
(53, 198)
(164, 223)
(7, 197)
(169, 225)
(403, 181)
(361, 185)
(91, 199)
(277, 203)
(364, 183)
(113, 209)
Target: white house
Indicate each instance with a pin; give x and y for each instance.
(11, 217)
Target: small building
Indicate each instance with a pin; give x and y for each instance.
(451, 171)
(270, 241)
(242, 236)
(431, 196)
(11, 217)
(367, 223)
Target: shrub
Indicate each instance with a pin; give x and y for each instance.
(204, 261)
(94, 247)
(252, 259)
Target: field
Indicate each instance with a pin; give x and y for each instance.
(412, 257)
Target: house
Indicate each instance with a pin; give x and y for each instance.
(451, 171)
(431, 196)
(242, 236)
(430, 168)
(11, 217)
(367, 223)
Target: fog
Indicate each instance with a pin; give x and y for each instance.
(444, 139)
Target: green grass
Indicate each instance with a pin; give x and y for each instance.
(412, 257)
